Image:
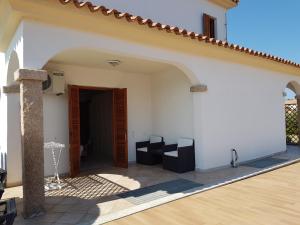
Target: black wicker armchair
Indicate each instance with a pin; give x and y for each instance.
(3, 175)
(150, 152)
(8, 210)
(180, 157)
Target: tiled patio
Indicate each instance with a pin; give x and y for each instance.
(90, 197)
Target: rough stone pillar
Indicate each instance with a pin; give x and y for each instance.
(31, 99)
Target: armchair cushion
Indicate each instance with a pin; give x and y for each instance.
(1, 190)
(3, 175)
(145, 149)
(142, 144)
(150, 152)
(172, 154)
(155, 139)
(170, 148)
(185, 142)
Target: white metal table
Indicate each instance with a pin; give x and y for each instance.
(56, 150)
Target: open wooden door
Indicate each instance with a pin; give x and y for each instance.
(74, 130)
(120, 139)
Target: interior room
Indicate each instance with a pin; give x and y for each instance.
(96, 147)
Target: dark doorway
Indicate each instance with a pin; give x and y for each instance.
(97, 128)
(96, 140)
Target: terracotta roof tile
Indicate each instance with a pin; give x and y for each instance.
(175, 30)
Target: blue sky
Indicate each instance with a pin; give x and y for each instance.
(271, 26)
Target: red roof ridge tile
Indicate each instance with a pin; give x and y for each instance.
(176, 30)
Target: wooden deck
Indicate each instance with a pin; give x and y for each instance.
(268, 199)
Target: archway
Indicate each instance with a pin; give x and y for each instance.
(154, 90)
(13, 65)
(292, 122)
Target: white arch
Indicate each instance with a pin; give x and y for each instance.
(178, 65)
(290, 113)
(13, 65)
(294, 86)
(49, 41)
(157, 125)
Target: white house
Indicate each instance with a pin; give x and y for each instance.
(181, 76)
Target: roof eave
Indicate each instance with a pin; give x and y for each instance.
(227, 4)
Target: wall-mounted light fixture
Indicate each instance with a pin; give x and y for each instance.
(199, 88)
(114, 62)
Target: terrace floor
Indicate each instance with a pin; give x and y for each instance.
(93, 198)
(270, 198)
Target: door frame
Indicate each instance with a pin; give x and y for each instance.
(74, 152)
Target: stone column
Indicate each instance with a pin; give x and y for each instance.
(31, 99)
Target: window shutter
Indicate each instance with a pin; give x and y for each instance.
(212, 28)
(120, 127)
(206, 25)
(74, 130)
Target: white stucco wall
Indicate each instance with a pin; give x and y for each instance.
(172, 106)
(184, 14)
(56, 128)
(242, 109)
(2, 120)
(12, 142)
